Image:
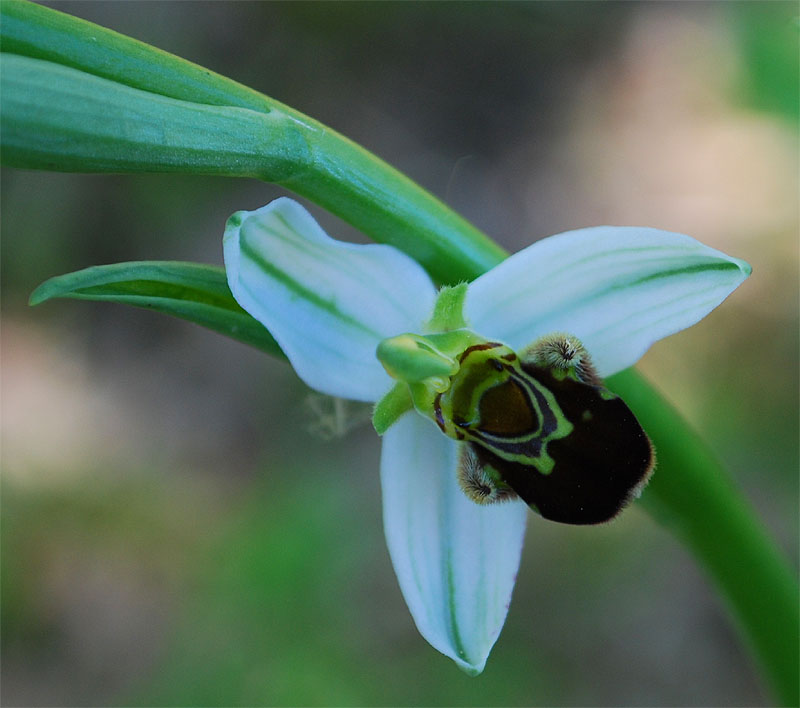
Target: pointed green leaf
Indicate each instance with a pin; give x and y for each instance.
(31, 30)
(192, 291)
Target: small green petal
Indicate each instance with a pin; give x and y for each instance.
(448, 312)
(412, 358)
(391, 407)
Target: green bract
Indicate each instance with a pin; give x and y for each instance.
(348, 316)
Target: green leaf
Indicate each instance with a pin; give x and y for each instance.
(192, 291)
(39, 32)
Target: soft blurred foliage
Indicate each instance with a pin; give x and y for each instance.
(178, 529)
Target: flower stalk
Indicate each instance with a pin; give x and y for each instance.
(82, 98)
(692, 495)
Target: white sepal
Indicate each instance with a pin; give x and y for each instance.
(618, 289)
(456, 561)
(327, 303)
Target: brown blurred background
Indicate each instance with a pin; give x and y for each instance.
(176, 527)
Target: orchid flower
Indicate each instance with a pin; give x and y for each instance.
(347, 316)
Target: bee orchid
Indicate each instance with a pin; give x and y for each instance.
(488, 395)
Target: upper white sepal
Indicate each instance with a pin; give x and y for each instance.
(327, 303)
(618, 289)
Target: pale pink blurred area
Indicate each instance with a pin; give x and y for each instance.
(656, 141)
(131, 443)
(652, 138)
(58, 421)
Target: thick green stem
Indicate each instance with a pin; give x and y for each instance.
(691, 494)
(151, 93)
(120, 105)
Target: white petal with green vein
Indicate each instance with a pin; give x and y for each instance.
(618, 289)
(327, 303)
(456, 561)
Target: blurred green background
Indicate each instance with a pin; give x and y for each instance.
(177, 527)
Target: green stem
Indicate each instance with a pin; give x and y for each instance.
(83, 98)
(691, 494)
(84, 70)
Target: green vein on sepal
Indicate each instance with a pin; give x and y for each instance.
(191, 291)
(298, 289)
(731, 265)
